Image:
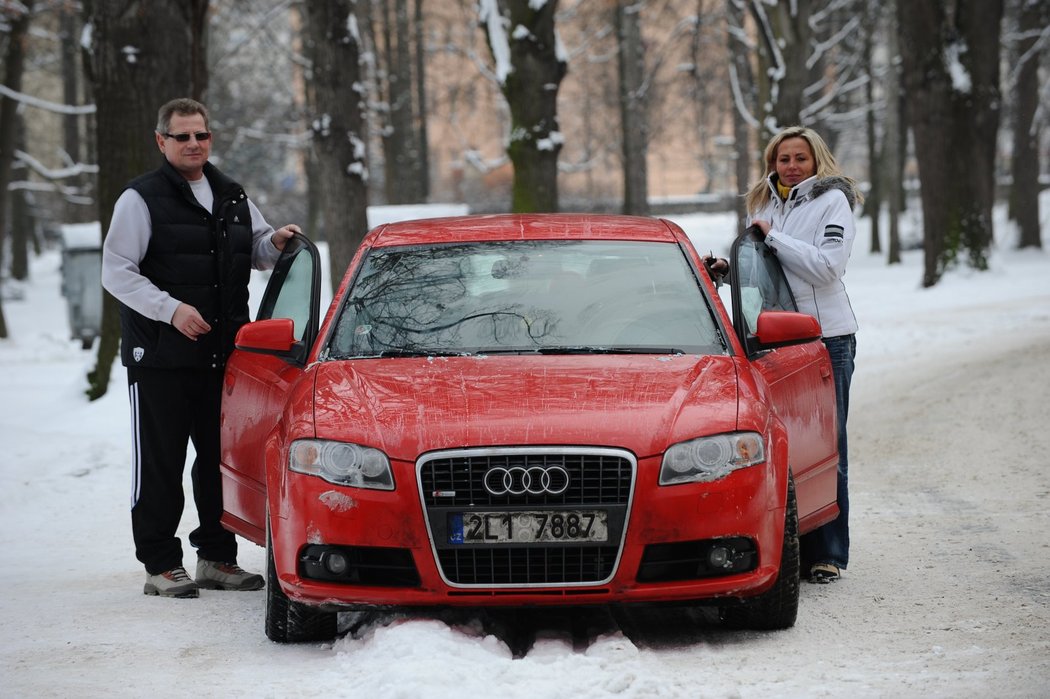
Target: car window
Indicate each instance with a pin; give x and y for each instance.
(290, 291)
(548, 296)
(759, 279)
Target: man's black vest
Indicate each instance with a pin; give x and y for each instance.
(200, 257)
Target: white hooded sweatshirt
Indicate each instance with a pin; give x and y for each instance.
(812, 234)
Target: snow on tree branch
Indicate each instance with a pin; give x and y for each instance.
(1042, 37)
(70, 194)
(47, 173)
(820, 48)
(495, 29)
(44, 104)
(777, 70)
(738, 99)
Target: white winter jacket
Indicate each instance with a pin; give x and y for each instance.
(812, 234)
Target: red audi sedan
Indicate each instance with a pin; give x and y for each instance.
(526, 410)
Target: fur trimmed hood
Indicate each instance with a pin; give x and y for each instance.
(812, 188)
(842, 184)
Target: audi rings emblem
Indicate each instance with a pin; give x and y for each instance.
(531, 480)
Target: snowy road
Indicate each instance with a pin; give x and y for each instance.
(948, 593)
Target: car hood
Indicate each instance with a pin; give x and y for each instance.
(408, 406)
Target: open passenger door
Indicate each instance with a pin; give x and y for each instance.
(268, 360)
(783, 346)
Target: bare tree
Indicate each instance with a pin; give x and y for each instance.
(20, 217)
(633, 119)
(784, 39)
(806, 73)
(72, 73)
(399, 138)
(873, 200)
(530, 68)
(1032, 28)
(950, 58)
(894, 143)
(131, 78)
(333, 45)
(745, 102)
(421, 162)
(18, 16)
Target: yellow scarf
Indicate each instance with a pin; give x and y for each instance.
(783, 191)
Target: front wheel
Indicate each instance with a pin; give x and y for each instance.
(288, 621)
(776, 608)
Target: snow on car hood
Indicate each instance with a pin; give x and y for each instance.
(407, 406)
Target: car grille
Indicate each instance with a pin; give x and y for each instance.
(453, 482)
(528, 566)
(595, 479)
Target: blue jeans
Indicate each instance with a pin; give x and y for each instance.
(830, 543)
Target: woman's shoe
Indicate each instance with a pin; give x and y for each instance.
(823, 573)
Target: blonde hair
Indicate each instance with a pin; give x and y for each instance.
(827, 166)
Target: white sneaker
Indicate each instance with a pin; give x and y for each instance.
(215, 575)
(173, 583)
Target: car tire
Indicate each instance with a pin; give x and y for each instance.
(777, 608)
(288, 621)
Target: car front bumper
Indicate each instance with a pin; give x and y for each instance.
(666, 551)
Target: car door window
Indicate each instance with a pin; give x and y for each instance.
(758, 282)
(294, 289)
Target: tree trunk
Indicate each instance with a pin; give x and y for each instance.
(1024, 193)
(422, 160)
(197, 11)
(19, 218)
(399, 138)
(129, 87)
(876, 175)
(745, 105)
(18, 18)
(23, 230)
(71, 137)
(894, 139)
(531, 91)
(338, 128)
(633, 106)
(955, 124)
(784, 44)
(791, 22)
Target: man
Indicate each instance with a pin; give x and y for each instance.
(178, 256)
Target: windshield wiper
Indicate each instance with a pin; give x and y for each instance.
(581, 349)
(405, 352)
(615, 349)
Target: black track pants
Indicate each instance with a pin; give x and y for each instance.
(169, 409)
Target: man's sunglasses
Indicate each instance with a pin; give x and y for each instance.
(184, 137)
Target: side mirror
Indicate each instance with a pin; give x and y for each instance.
(274, 336)
(782, 328)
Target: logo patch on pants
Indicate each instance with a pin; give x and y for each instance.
(138, 353)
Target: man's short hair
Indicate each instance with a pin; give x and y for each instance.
(183, 106)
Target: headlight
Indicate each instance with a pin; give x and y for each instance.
(342, 463)
(710, 458)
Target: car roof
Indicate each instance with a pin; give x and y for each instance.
(522, 227)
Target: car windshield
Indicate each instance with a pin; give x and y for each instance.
(541, 296)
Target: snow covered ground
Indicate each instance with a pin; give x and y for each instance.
(947, 595)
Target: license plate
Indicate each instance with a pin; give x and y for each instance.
(528, 527)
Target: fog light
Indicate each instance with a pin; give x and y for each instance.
(335, 563)
(720, 557)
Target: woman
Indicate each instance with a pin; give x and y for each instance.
(804, 207)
